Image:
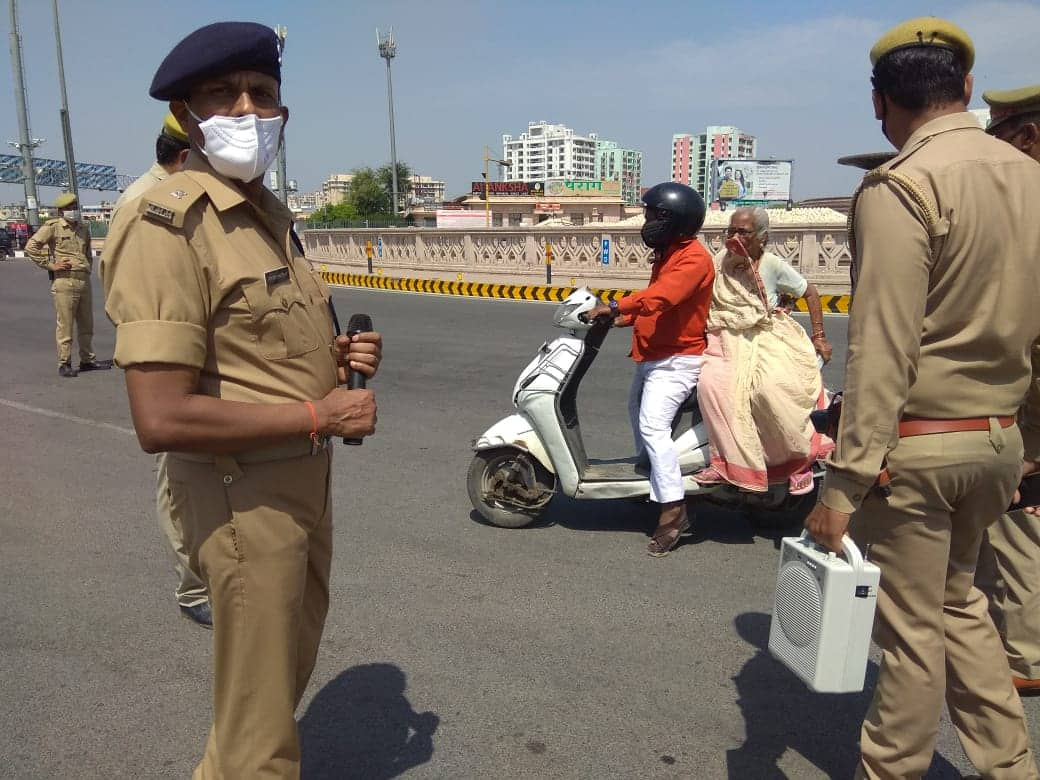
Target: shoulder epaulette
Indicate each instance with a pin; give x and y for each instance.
(913, 190)
(169, 200)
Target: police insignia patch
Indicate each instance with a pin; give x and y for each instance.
(159, 212)
(178, 194)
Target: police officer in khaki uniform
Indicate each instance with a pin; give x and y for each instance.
(945, 285)
(1009, 564)
(171, 151)
(62, 247)
(232, 366)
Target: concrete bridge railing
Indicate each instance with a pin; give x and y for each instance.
(819, 251)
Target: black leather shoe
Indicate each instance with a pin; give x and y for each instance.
(67, 371)
(199, 613)
(95, 365)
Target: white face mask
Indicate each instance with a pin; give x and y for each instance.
(72, 215)
(240, 147)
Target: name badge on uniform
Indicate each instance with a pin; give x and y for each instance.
(277, 276)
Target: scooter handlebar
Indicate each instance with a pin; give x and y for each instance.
(602, 319)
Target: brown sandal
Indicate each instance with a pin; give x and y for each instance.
(662, 542)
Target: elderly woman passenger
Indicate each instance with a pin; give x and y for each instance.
(760, 378)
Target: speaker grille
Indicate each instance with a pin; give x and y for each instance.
(799, 611)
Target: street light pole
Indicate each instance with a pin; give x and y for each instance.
(25, 144)
(487, 186)
(388, 50)
(66, 124)
(283, 184)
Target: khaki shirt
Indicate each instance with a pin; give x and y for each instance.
(141, 185)
(941, 325)
(59, 239)
(195, 275)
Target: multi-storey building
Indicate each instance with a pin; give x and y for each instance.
(623, 165)
(547, 152)
(335, 188)
(426, 190)
(692, 155)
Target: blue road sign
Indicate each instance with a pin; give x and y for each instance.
(379, 245)
(606, 251)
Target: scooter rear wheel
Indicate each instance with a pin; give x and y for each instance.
(508, 487)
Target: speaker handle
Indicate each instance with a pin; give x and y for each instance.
(852, 553)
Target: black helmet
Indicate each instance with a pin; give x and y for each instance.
(678, 205)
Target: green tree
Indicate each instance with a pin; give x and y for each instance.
(366, 194)
(404, 181)
(338, 212)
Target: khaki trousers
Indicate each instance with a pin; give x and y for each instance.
(190, 589)
(260, 536)
(1009, 574)
(73, 302)
(936, 637)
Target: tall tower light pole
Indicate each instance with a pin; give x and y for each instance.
(66, 124)
(283, 184)
(388, 50)
(25, 144)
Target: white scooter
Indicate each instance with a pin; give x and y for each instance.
(523, 460)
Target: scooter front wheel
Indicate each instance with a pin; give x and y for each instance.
(508, 487)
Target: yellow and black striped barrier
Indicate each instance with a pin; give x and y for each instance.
(516, 292)
(831, 304)
(834, 304)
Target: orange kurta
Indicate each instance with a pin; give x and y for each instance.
(669, 316)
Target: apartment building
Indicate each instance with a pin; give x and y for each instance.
(692, 155)
(546, 152)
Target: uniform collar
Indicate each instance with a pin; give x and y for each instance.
(961, 120)
(224, 194)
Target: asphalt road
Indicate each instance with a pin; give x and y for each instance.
(453, 649)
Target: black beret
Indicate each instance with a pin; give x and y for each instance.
(215, 49)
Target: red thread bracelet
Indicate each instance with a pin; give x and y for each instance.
(314, 419)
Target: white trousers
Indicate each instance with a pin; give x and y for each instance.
(658, 389)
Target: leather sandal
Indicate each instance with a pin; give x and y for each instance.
(662, 542)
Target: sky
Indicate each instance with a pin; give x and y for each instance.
(793, 73)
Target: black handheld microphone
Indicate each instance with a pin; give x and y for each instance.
(359, 323)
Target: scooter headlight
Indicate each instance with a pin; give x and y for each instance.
(564, 314)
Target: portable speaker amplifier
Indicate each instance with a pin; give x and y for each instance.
(823, 614)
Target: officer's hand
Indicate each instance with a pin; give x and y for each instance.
(823, 348)
(827, 526)
(347, 413)
(1028, 467)
(362, 352)
(61, 265)
(597, 311)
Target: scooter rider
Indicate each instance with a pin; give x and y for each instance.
(668, 320)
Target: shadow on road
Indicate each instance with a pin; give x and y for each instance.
(361, 725)
(708, 522)
(781, 714)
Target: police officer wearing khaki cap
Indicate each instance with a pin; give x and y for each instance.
(232, 366)
(1009, 563)
(62, 247)
(928, 454)
(171, 151)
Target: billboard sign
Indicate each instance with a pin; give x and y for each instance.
(507, 188)
(568, 188)
(454, 219)
(751, 181)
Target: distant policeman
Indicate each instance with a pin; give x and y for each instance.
(62, 247)
(945, 288)
(1009, 564)
(232, 366)
(171, 150)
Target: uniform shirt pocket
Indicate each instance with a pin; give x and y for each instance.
(281, 326)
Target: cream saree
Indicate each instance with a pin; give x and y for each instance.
(758, 384)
